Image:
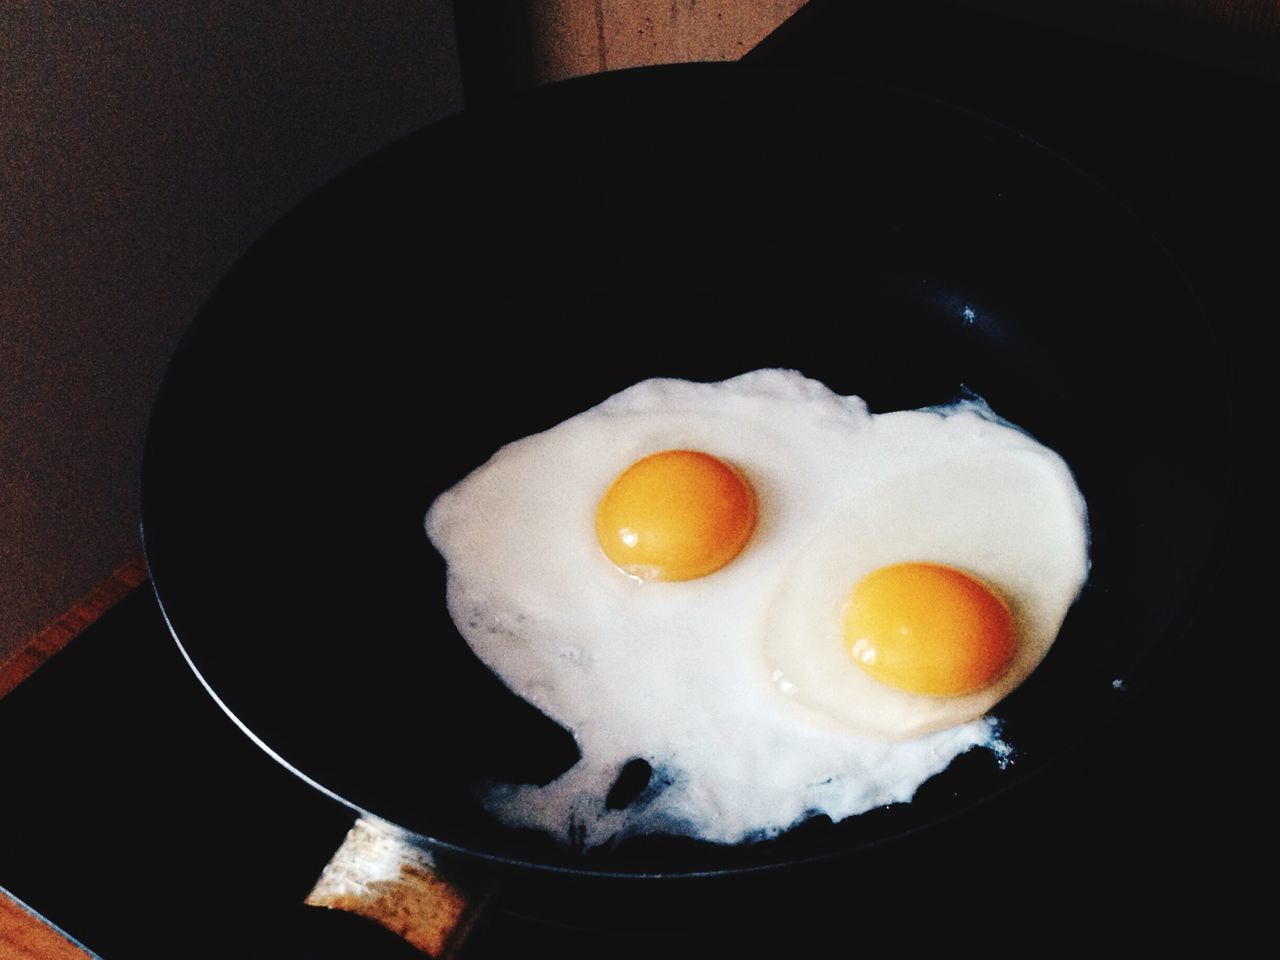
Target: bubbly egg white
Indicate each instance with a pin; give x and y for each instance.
(687, 675)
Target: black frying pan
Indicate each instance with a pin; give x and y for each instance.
(487, 277)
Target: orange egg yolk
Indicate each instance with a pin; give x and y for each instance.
(928, 628)
(676, 515)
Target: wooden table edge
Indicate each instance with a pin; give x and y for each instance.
(64, 628)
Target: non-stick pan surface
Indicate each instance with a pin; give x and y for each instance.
(492, 275)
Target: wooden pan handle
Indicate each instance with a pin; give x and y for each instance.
(382, 873)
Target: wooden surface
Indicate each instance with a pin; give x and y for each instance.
(56, 635)
(23, 936)
(576, 37)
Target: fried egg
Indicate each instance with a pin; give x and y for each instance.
(717, 579)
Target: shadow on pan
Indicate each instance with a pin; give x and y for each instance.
(492, 275)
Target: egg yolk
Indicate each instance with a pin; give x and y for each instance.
(676, 515)
(928, 628)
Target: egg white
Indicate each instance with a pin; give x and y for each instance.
(1009, 514)
(682, 674)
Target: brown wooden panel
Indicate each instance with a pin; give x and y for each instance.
(23, 936)
(576, 37)
(27, 659)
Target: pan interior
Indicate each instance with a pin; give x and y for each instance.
(387, 336)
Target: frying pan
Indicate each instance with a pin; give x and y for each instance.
(488, 277)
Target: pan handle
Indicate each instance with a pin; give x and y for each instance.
(385, 874)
